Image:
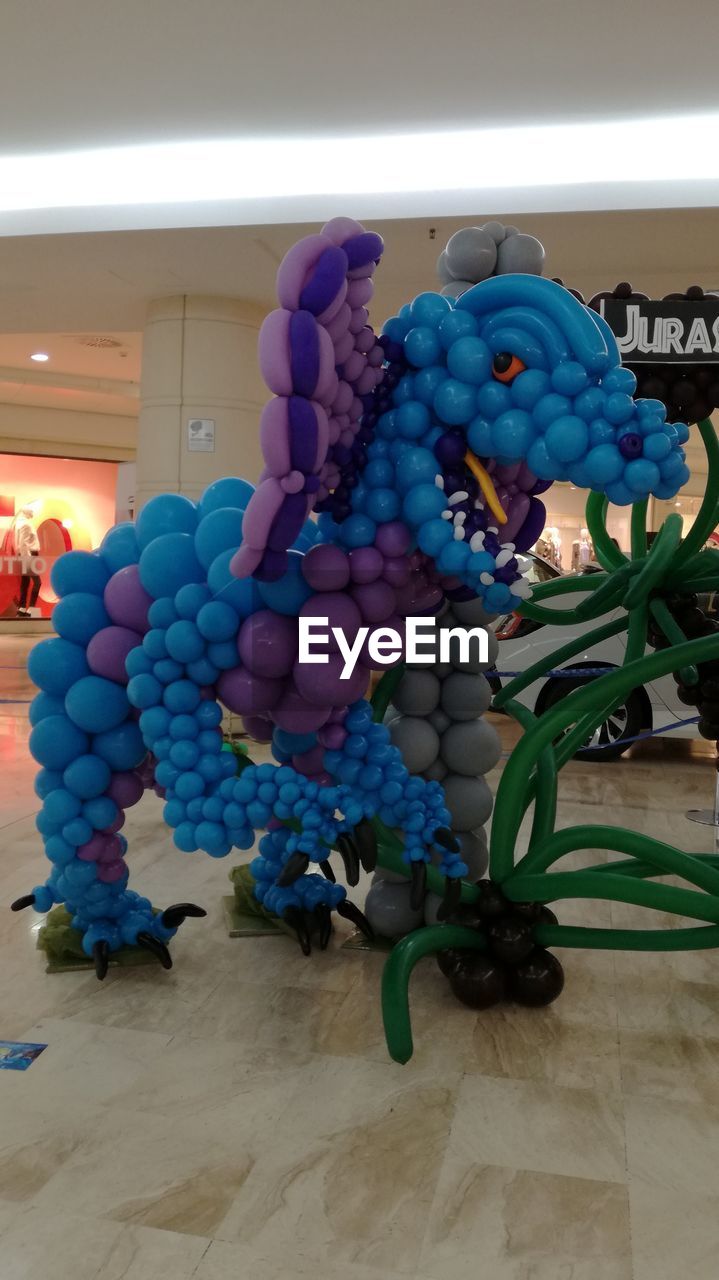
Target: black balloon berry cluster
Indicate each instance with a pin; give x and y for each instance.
(513, 968)
(704, 695)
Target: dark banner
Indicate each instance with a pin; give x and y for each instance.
(664, 332)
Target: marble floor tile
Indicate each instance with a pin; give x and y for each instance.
(673, 1144)
(675, 1234)
(540, 1128)
(538, 1044)
(508, 1224)
(684, 1068)
(35, 1143)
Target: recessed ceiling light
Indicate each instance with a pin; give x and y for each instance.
(40, 356)
(677, 504)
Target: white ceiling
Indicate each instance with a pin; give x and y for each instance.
(79, 75)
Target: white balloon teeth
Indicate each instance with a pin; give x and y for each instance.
(458, 533)
(460, 517)
(461, 495)
(439, 481)
(447, 515)
(520, 588)
(492, 529)
(486, 579)
(476, 542)
(503, 558)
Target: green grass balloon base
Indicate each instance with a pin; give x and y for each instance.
(63, 948)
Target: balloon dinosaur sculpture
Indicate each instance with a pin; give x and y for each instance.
(422, 454)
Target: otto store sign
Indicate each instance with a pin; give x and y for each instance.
(14, 565)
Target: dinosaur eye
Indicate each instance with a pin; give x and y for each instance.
(505, 366)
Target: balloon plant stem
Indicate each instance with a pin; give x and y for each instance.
(385, 691)
(554, 659)
(609, 556)
(397, 972)
(708, 514)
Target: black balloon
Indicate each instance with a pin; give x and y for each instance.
(510, 939)
(538, 980)
(491, 901)
(479, 981)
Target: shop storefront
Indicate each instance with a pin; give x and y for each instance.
(49, 506)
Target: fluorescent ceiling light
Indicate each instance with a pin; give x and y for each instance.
(40, 356)
(279, 179)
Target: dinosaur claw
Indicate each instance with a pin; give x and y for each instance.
(323, 916)
(350, 912)
(296, 920)
(419, 885)
(27, 900)
(350, 856)
(295, 866)
(327, 872)
(157, 948)
(101, 958)
(366, 839)
(172, 917)
(451, 899)
(444, 838)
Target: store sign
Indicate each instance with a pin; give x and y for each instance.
(664, 332)
(201, 435)
(14, 564)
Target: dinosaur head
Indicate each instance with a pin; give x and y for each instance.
(487, 400)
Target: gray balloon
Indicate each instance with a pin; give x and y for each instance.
(471, 254)
(456, 288)
(470, 748)
(465, 651)
(440, 721)
(443, 271)
(465, 696)
(431, 906)
(417, 693)
(510, 230)
(416, 740)
(474, 852)
(520, 253)
(392, 877)
(389, 912)
(472, 613)
(496, 230)
(443, 669)
(469, 801)
(436, 771)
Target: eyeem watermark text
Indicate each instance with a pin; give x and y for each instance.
(385, 644)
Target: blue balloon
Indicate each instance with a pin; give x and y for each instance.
(230, 491)
(138, 663)
(469, 360)
(208, 714)
(55, 741)
(512, 434)
(162, 613)
(203, 671)
(100, 812)
(183, 726)
(455, 402)
(60, 806)
(44, 704)
(78, 616)
(86, 777)
(122, 747)
(422, 503)
(641, 476)
(216, 532)
(223, 654)
(78, 831)
(181, 695)
(567, 438)
(143, 690)
(46, 781)
(383, 505)
(119, 547)
(217, 621)
(356, 531)
(190, 599)
(166, 670)
(412, 419)
(184, 754)
(184, 642)
(54, 665)
(422, 347)
(163, 514)
(79, 571)
(288, 594)
(96, 704)
(155, 722)
(168, 563)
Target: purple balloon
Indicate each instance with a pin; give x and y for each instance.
(375, 600)
(126, 600)
(267, 643)
(516, 515)
(326, 568)
(310, 762)
(532, 527)
(295, 714)
(108, 649)
(258, 728)
(125, 789)
(323, 683)
(393, 539)
(366, 564)
(340, 612)
(247, 694)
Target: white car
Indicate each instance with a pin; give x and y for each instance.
(653, 706)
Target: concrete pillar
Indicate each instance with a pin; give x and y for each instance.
(199, 361)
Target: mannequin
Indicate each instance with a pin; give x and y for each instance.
(582, 551)
(27, 546)
(549, 546)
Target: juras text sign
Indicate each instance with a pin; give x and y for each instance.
(664, 332)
